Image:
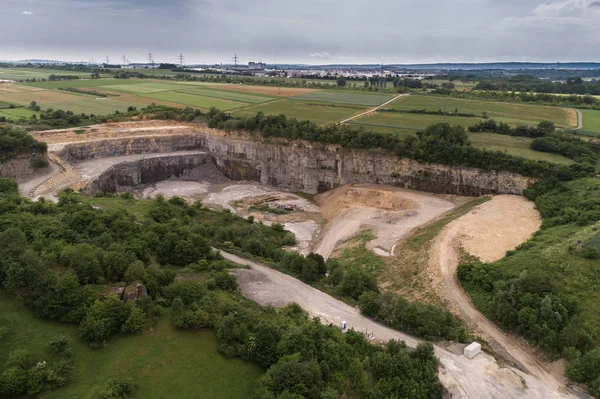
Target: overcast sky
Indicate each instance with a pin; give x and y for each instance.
(302, 31)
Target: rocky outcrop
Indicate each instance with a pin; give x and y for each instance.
(21, 168)
(298, 165)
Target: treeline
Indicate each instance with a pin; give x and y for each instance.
(432, 112)
(83, 91)
(543, 128)
(584, 152)
(426, 321)
(15, 141)
(440, 143)
(526, 83)
(581, 101)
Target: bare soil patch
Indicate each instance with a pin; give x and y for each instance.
(13, 88)
(267, 90)
(572, 117)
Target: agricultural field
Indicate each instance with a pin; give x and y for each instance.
(591, 120)
(461, 86)
(36, 73)
(227, 95)
(513, 114)
(345, 97)
(516, 146)
(161, 360)
(408, 121)
(195, 101)
(318, 113)
(17, 113)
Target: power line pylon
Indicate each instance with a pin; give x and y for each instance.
(151, 60)
(181, 60)
(235, 60)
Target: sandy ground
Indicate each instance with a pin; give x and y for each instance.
(390, 212)
(488, 232)
(479, 378)
(172, 188)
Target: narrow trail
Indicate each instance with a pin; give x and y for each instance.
(579, 120)
(373, 109)
(481, 377)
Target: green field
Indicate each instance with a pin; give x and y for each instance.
(195, 101)
(345, 97)
(36, 73)
(87, 83)
(17, 113)
(510, 113)
(300, 110)
(412, 121)
(517, 146)
(163, 361)
(142, 88)
(227, 95)
(591, 120)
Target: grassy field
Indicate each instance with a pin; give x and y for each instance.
(510, 113)
(412, 121)
(163, 361)
(591, 120)
(36, 73)
(88, 83)
(227, 95)
(517, 146)
(17, 113)
(141, 87)
(344, 97)
(195, 101)
(317, 113)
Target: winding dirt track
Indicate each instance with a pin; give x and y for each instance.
(507, 221)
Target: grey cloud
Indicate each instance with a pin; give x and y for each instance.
(311, 31)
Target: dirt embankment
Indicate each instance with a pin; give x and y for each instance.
(390, 212)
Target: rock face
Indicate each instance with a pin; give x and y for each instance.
(298, 165)
(197, 167)
(20, 168)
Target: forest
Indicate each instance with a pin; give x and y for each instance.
(15, 141)
(526, 83)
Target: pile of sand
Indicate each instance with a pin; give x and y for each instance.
(334, 202)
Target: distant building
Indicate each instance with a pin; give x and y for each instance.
(257, 65)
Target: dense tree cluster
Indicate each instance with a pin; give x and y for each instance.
(15, 141)
(426, 321)
(52, 254)
(580, 101)
(302, 357)
(431, 112)
(571, 147)
(526, 83)
(544, 128)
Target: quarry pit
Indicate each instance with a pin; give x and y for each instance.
(324, 194)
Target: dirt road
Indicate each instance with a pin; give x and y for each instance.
(506, 221)
(390, 212)
(374, 109)
(479, 378)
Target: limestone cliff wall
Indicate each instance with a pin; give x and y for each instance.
(309, 167)
(146, 171)
(20, 168)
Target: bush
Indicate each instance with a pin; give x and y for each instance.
(114, 388)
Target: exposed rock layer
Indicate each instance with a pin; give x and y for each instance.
(299, 166)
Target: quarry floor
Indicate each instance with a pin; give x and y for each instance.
(323, 222)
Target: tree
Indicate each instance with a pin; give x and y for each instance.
(546, 127)
(341, 81)
(136, 272)
(136, 320)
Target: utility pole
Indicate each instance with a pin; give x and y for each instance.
(107, 60)
(235, 60)
(151, 60)
(125, 60)
(181, 60)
